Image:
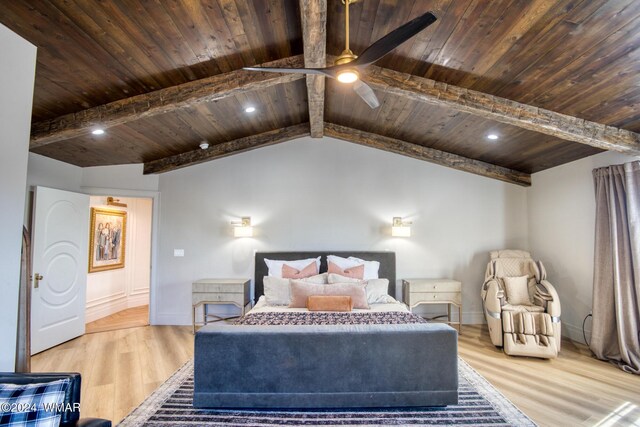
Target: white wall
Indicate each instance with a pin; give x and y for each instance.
(46, 172)
(126, 177)
(52, 173)
(17, 72)
(329, 194)
(562, 233)
(64, 176)
(111, 291)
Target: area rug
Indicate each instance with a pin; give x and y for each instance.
(479, 404)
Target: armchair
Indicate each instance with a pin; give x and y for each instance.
(521, 307)
(70, 418)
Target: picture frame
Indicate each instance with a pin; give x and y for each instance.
(107, 241)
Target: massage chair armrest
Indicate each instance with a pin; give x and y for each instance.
(492, 295)
(551, 296)
(492, 299)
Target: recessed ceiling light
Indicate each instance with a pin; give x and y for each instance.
(204, 145)
(97, 131)
(250, 109)
(492, 136)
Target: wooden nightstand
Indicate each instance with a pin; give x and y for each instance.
(219, 291)
(434, 291)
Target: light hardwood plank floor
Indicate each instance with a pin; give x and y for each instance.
(120, 368)
(573, 390)
(129, 318)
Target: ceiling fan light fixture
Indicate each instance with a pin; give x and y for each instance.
(348, 76)
(347, 66)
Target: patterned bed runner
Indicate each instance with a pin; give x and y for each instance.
(330, 318)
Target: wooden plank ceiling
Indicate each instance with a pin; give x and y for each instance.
(577, 58)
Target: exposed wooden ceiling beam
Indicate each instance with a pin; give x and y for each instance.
(504, 110)
(427, 154)
(224, 149)
(314, 37)
(160, 102)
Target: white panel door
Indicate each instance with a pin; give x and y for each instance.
(60, 234)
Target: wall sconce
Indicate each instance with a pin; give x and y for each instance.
(115, 202)
(242, 228)
(400, 228)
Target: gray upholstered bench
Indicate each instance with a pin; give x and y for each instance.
(241, 366)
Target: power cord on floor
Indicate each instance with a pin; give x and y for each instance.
(584, 335)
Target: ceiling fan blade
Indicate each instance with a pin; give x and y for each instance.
(320, 71)
(366, 93)
(394, 39)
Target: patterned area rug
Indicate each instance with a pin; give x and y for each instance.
(479, 404)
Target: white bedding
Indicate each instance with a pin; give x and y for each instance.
(262, 307)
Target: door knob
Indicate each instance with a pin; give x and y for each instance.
(37, 282)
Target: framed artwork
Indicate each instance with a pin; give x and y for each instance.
(107, 239)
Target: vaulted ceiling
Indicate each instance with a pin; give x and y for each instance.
(163, 75)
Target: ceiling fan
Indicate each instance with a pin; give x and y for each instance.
(347, 66)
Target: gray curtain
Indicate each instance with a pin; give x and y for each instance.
(616, 281)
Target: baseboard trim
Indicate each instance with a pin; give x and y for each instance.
(106, 300)
(108, 307)
(104, 309)
(468, 317)
(136, 300)
(574, 333)
(473, 318)
(173, 319)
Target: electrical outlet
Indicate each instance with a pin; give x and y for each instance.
(178, 252)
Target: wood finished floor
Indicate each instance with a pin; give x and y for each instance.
(129, 318)
(120, 368)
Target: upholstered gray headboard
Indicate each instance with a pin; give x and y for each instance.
(387, 264)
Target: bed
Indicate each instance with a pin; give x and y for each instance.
(280, 357)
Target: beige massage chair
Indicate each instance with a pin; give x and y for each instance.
(524, 325)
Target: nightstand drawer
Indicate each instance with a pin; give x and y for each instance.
(214, 288)
(217, 297)
(426, 297)
(435, 285)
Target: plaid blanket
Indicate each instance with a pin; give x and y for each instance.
(32, 405)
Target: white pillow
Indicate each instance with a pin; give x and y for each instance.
(277, 291)
(376, 288)
(275, 266)
(370, 267)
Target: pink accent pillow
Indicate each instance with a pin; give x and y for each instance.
(356, 272)
(289, 272)
(301, 291)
